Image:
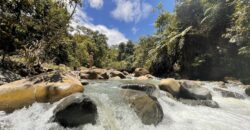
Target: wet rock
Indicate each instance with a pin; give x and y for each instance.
(208, 103)
(84, 82)
(221, 84)
(247, 91)
(170, 95)
(146, 107)
(147, 88)
(47, 87)
(170, 85)
(75, 110)
(116, 73)
(140, 72)
(226, 93)
(190, 83)
(192, 90)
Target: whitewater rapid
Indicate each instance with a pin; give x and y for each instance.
(114, 114)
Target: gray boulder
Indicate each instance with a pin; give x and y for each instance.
(226, 93)
(145, 106)
(191, 90)
(75, 110)
(247, 91)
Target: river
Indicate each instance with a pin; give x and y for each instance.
(115, 114)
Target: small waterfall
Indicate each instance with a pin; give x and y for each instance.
(115, 114)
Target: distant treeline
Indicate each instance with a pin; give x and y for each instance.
(201, 39)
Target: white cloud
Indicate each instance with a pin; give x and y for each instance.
(131, 10)
(82, 19)
(134, 30)
(96, 3)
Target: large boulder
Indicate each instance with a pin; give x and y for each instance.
(247, 91)
(170, 85)
(75, 110)
(226, 93)
(140, 72)
(47, 87)
(146, 107)
(147, 88)
(192, 90)
(208, 103)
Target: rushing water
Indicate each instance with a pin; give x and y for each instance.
(114, 114)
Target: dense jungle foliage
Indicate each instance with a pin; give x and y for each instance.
(201, 39)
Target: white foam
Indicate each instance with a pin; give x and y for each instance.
(114, 114)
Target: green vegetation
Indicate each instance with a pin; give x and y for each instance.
(201, 39)
(204, 39)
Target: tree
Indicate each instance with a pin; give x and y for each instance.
(143, 52)
(129, 50)
(121, 50)
(33, 26)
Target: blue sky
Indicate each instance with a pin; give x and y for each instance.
(121, 20)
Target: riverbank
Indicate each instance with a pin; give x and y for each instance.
(146, 97)
(115, 113)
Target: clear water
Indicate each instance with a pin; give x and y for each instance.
(114, 114)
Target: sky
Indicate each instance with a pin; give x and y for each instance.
(120, 20)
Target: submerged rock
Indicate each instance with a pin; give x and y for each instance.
(47, 87)
(147, 88)
(170, 85)
(75, 110)
(226, 93)
(145, 106)
(247, 91)
(192, 90)
(208, 103)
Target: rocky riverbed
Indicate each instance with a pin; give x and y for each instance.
(99, 99)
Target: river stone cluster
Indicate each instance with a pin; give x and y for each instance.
(47, 87)
(188, 92)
